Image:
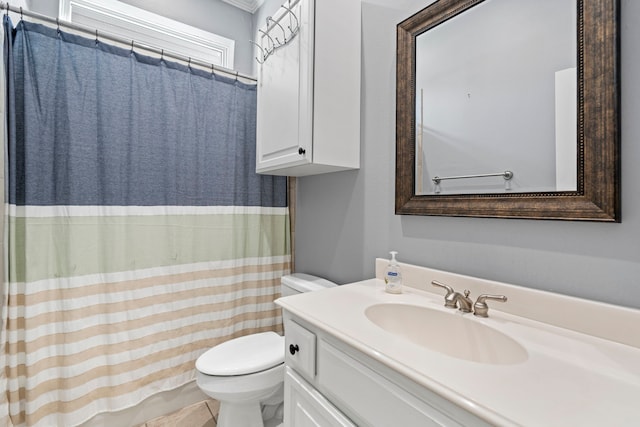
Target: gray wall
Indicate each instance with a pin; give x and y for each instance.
(346, 219)
(210, 15)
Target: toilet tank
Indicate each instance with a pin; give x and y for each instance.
(299, 282)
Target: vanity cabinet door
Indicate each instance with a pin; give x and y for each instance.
(373, 399)
(304, 406)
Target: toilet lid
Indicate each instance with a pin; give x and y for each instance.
(243, 355)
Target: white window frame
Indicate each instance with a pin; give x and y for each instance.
(147, 28)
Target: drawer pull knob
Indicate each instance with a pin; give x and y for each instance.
(301, 151)
(293, 349)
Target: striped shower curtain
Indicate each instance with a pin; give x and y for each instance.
(137, 234)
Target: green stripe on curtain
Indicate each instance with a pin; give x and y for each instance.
(75, 246)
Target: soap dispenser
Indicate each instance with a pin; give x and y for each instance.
(393, 275)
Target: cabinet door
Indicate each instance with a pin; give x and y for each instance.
(285, 99)
(373, 399)
(304, 406)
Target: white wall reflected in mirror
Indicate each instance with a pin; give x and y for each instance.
(494, 94)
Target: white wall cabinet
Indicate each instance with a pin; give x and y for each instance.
(348, 388)
(309, 93)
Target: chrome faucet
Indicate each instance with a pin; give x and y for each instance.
(453, 299)
(464, 302)
(449, 301)
(480, 308)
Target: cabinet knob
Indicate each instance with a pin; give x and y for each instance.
(293, 349)
(301, 151)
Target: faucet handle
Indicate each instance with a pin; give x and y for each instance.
(448, 301)
(480, 308)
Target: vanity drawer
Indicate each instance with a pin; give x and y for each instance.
(373, 400)
(300, 349)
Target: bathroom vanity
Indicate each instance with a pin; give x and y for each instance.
(337, 385)
(356, 355)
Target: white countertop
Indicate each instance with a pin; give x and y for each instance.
(568, 379)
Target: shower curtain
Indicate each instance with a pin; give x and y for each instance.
(137, 234)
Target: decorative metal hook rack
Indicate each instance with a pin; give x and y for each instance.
(270, 40)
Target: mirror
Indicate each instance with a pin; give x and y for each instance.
(528, 86)
(509, 109)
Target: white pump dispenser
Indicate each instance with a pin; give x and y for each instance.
(393, 275)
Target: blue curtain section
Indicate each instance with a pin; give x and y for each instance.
(104, 125)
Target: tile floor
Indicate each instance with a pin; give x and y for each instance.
(201, 414)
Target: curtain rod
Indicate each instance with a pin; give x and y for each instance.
(122, 40)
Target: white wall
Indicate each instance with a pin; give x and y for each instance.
(346, 219)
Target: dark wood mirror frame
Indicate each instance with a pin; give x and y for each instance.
(598, 186)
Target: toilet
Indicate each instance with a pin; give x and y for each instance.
(246, 374)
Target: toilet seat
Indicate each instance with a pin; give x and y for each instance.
(243, 355)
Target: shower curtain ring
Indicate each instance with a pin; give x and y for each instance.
(8, 7)
(21, 16)
(132, 46)
(97, 37)
(162, 55)
(189, 63)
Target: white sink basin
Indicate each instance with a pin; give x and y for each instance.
(453, 334)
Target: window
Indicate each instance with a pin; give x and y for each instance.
(129, 22)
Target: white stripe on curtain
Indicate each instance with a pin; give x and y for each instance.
(69, 211)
